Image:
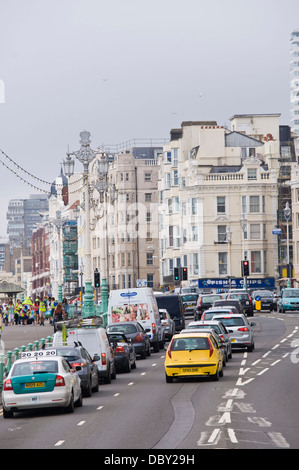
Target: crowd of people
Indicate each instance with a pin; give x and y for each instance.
(33, 312)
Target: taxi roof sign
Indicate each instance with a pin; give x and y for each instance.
(40, 354)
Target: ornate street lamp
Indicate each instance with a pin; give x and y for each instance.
(85, 155)
(58, 224)
(287, 215)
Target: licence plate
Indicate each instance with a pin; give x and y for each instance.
(34, 385)
(34, 399)
(233, 340)
(190, 369)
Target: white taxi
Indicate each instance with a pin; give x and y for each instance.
(40, 379)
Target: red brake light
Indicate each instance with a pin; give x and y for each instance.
(169, 348)
(210, 347)
(7, 385)
(138, 338)
(243, 329)
(104, 360)
(154, 328)
(120, 349)
(59, 381)
(78, 364)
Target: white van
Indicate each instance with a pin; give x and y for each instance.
(137, 305)
(95, 341)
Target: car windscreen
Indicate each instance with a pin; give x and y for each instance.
(231, 321)
(209, 299)
(123, 328)
(190, 344)
(264, 293)
(189, 297)
(34, 367)
(291, 293)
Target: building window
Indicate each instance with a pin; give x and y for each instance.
(255, 232)
(149, 259)
(147, 177)
(252, 174)
(195, 264)
(221, 233)
(222, 263)
(150, 280)
(221, 205)
(256, 262)
(254, 204)
(148, 197)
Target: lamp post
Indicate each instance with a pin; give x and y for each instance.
(229, 241)
(58, 224)
(85, 155)
(287, 215)
(243, 222)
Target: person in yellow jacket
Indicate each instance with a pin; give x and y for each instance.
(42, 311)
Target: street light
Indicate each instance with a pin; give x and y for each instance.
(85, 155)
(243, 222)
(58, 224)
(287, 215)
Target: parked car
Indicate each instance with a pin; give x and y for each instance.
(124, 352)
(193, 355)
(78, 357)
(204, 302)
(135, 332)
(219, 328)
(208, 314)
(94, 339)
(245, 299)
(288, 300)
(229, 303)
(268, 301)
(241, 332)
(174, 305)
(167, 323)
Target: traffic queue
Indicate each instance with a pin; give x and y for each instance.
(84, 353)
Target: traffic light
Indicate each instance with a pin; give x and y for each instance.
(245, 268)
(96, 278)
(185, 274)
(176, 274)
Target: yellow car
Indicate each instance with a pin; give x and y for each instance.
(193, 355)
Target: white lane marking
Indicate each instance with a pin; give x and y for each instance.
(100, 407)
(213, 436)
(232, 436)
(263, 371)
(81, 423)
(59, 443)
(278, 439)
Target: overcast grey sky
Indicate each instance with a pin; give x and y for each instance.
(126, 69)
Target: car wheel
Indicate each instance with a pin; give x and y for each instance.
(144, 353)
(113, 375)
(169, 379)
(7, 413)
(79, 402)
(107, 379)
(215, 377)
(96, 387)
(128, 366)
(87, 390)
(71, 406)
(250, 348)
(156, 346)
(134, 364)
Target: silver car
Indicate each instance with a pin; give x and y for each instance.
(241, 332)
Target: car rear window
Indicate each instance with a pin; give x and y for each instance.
(69, 354)
(190, 344)
(232, 321)
(238, 296)
(209, 299)
(34, 367)
(291, 293)
(122, 328)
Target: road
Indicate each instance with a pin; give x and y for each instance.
(254, 406)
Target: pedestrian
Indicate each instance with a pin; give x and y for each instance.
(53, 306)
(65, 307)
(5, 316)
(11, 313)
(18, 309)
(36, 309)
(42, 312)
(58, 315)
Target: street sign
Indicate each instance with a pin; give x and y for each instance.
(276, 231)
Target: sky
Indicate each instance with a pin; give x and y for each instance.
(130, 69)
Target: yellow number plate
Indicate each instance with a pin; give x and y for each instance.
(35, 385)
(190, 369)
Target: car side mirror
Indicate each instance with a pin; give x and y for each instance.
(252, 323)
(96, 357)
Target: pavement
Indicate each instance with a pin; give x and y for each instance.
(15, 336)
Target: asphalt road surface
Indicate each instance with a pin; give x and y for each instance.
(254, 406)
